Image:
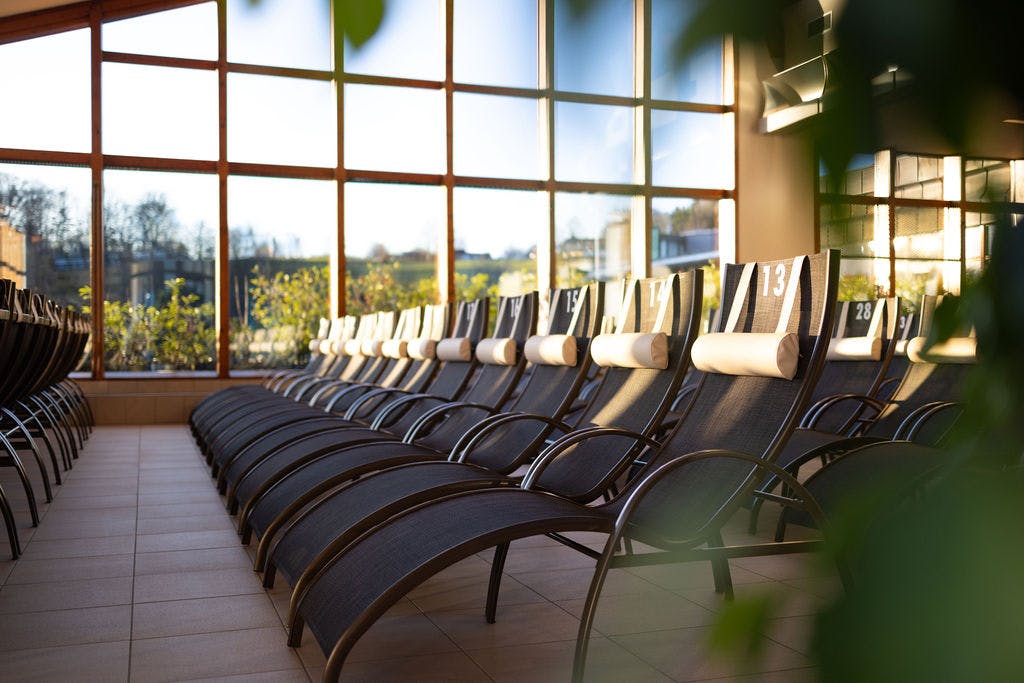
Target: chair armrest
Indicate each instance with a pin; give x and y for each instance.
(382, 393)
(485, 427)
(548, 455)
(440, 412)
(818, 410)
(912, 425)
(389, 412)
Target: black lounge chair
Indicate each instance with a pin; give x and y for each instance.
(491, 385)
(261, 468)
(694, 481)
(632, 399)
(922, 408)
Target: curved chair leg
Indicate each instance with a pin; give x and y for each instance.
(35, 453)
(720, 568)
(58, 425)
(34, 415)
(30, 440)
(12, 528)
(755, 514)
(494, 585)
(579, 662)
(23, 475)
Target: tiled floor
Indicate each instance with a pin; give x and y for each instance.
(136, 574)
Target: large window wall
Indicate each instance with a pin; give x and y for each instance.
(911, 224)
(213, 177)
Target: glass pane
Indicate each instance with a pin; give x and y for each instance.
(280, 238)
(852, 228)
(496, 136)
(859, 178)
(274, 120)
(914, 279)
(591, 238)
(987, 181)
(394, 129)
(684, 234)
(51, 77)
(594, 52)
(692, 150)
(159, 237)
(919, 232)
(44, 220)
(918, 177)
(189, 32)
(699, 79)
(496, 233)
(392, 255)
(593, 142)
(159, 111)
(495, 42)
(296, 33)
(408, 43)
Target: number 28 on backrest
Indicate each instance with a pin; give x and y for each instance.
(780, 280)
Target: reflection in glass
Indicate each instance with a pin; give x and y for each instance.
(496, 233)
(159, 232)
(189, 32)
(408, 43)
(591, 238)
(50, 78)
(274, 120)
(987, 181)
(859, 178)
(159, 111)
(699, 79)
(594, 52)
(918, 177)
(692, 149)
(684, 234)
(394, 129)
(280, 235)
(495, 42)
(862, 236)
(593, 142)
(294, 33)
(496, 136)
(391, 238)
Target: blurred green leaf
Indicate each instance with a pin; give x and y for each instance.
(358, 20)
(740, 627)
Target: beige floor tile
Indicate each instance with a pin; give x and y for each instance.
(213, 522)
(552, 662)
(651, 611)
(545, 558)
(95, 502)
(439, 594)
(180, 510)
(40, 597)
(684, 575)
(92, 663)
(684, 655)
(793, 632)
(184, 617)
(71, 568)
(64, 627)
(80, 547)
(208, 655)
(205, 559)
(452, 666)
(53, 530)
(515, 625)
(290, 676)
(187, 540)
(200, 584)
(573, 584)
(408, 635)
(787, 601)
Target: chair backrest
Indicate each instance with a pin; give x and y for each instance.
(855, 364)
(550, 390)
(631, 398)
(750, 414)
(922, 382)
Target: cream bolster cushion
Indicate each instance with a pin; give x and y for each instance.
(314, 346)
(750, 354)
(422, 348)
(551, 349)
(352, 347)
(337, 347)
(633, 350)
(954, 350)
(372, 347)
(395, 348)
(493, 351)
(454, 348)
(901, 347)
(855, 348)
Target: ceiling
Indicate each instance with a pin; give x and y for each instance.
(10, 7)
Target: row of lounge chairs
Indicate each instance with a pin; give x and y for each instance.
(40, 343)
(357, 504)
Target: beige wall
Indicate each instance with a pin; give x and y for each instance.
(775, 175)
(150, 401)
